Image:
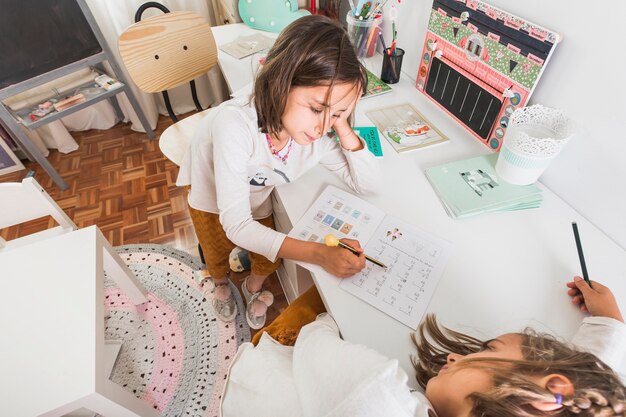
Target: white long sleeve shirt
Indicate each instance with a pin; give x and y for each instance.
(605, 338)
(232, 172)
(324, 376)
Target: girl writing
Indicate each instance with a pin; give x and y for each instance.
(310, 82)
(516, 374)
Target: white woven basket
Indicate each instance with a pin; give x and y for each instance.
(536, 134)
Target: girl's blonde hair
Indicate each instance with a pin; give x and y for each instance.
(598, 390)
(311, 51)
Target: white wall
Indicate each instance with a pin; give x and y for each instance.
(586, 77)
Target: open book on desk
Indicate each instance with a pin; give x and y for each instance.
(415, 259)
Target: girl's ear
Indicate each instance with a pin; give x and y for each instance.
(557, 384)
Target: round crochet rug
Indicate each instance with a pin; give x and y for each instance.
(175, 352)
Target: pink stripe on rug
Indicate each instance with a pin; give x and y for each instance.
(170, 345)
(226, 350)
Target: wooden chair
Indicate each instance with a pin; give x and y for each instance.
(163, 52)
(168, 50)
(25, 201)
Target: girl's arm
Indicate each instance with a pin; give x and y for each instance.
(234, 135)
(351, 160)
(349, 140)
(338, 261)
(604, 333)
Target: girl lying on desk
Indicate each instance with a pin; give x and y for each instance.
(310, 82)
(516, 374)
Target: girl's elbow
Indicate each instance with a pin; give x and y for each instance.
(373, 185)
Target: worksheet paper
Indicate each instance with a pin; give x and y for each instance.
(415, 259)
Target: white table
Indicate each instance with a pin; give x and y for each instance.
(238, 72)
(508, 270)
(52, 323)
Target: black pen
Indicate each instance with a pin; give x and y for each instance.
(581, 256)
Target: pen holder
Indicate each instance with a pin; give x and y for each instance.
(392, 65)
(363, 34)
(534, 137)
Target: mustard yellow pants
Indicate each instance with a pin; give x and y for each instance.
(216, 247)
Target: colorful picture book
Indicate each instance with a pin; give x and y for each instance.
(405, 128)
(414, 259)
(370, 136)
(471, 186)
(375, 86)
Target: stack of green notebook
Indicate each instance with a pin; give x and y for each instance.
(471, 186)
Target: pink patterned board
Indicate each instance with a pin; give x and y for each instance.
(175, 354)
(480, 63)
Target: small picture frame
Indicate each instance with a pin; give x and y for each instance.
(8, 161)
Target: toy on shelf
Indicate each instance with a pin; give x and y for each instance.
(480, 64)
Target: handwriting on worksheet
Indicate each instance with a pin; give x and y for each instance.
(415, 259)
(414, 263)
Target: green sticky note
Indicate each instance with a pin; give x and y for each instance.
(370, 136)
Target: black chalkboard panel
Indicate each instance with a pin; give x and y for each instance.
(37, 36)
(467, 101)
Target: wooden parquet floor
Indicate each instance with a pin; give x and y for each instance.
(120, 181)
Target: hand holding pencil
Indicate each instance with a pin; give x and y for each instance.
(597, 300)
(340, 262)
(331, 240)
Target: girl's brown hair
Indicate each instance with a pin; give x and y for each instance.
(311, 51)
(598, 391)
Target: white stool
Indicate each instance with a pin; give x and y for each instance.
(52, 325)
(175, 140)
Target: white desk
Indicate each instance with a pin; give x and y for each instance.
(508, 270)
(238, 72)
(52, 324)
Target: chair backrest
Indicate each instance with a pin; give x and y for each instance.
(165, 51)
(25, 201)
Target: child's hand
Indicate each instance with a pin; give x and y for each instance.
(347, 137)
(598, 300)
(341, 262)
